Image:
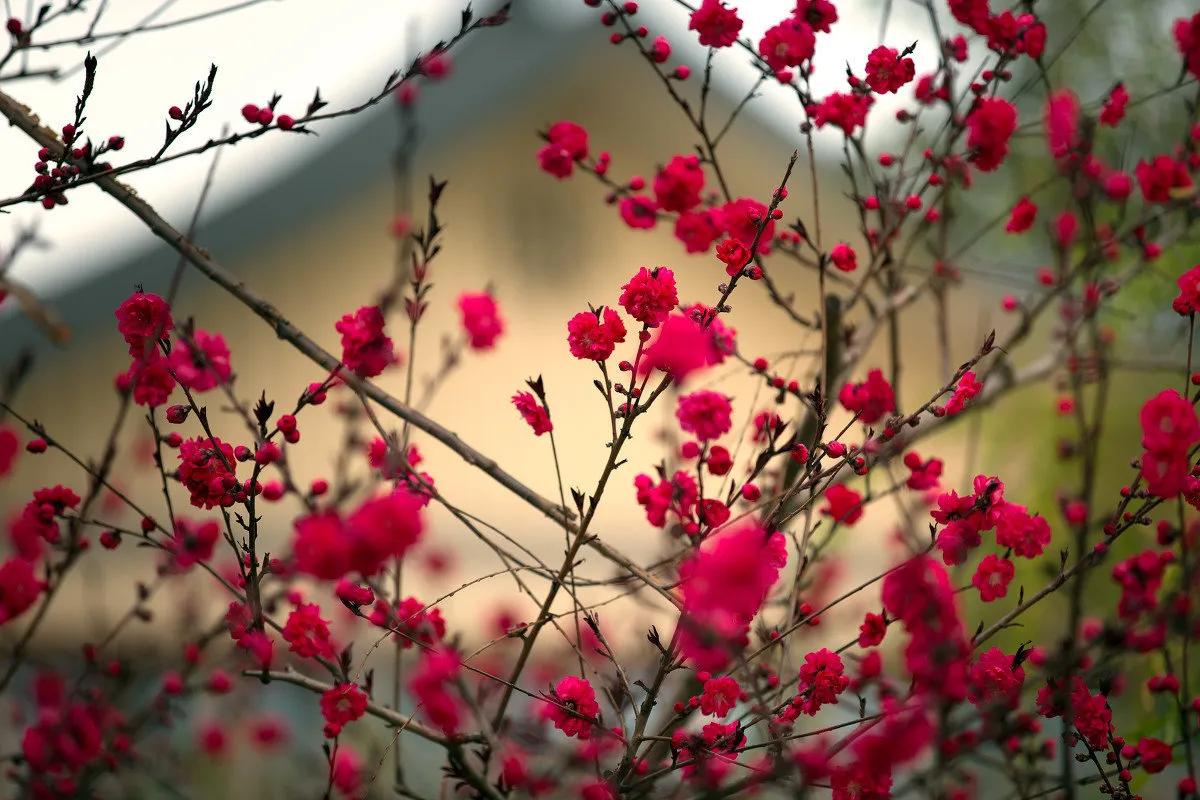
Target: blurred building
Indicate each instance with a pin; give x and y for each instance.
(318, 244)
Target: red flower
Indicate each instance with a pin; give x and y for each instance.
(149, 379)
(872, 630)
(638, 211)
(843, 257)
(1140, 578)
(956, 540)
(708, 756)
(819, 14)
(208, 470)
(925, 474)
(307, 633)
(534, 414)
(341, 704)
(193, 542)
(723, 586)
(697, 230)
(682, 347)
(37, 524)
(572, 707)
(927, 90)
(847, 111)
(19, 588)
(1093, 717)
(677, 496)
(734, 255)
(321, 547)
(1114, 106)
(989, 127)
(1061, 119)
(1169, 430)
(1154, 753)
(268, 732)
(720, 695)
(821, 681)
(705, 413)
(354, 594)
(411, 620)
(717, 25)
(724, 338)
(1187, 39)
(787, 44)
(996, 679)
(660, 50)
(968, 387)
(571, 137)
(1161, 177)
(480, 319)
(591, 339)
(1023, 215)
(566, 144)
(347, 771)
(972, 13)
(365, 348)
(382, 529)
(1027, 535)
(213, 740)
(203, 368)
(143, 318)
(432, 685)
(1066, 226)
(1015, 34)
(1033, 38)
(843, 504)
(678, 185)
(650, 295)
(238, 620)
(871, 400)
(766, 423)
(1188, 301)
(992, 577)
(597, 790)
(1117, 185)
(742, 219)
(390, 463)
(69, 734)
(919, 594)
(1169, 422)
(887, 71)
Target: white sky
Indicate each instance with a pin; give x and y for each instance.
(290, 47)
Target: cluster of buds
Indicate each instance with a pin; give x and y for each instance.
(658, 51)
(55, 176)
(265, 115)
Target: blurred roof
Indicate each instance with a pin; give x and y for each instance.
(487, 78)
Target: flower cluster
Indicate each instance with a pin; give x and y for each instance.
(366, 350)
(1170, 429)
(480, 319)
(144, 320)
(572, 707)
(329, 547)
(723, 586)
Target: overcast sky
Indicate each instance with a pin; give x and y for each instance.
(290, 47)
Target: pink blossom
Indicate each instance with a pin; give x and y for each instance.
(480, 319)
(650, 295)
(593, 339)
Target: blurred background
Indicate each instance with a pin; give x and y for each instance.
(307, 221)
